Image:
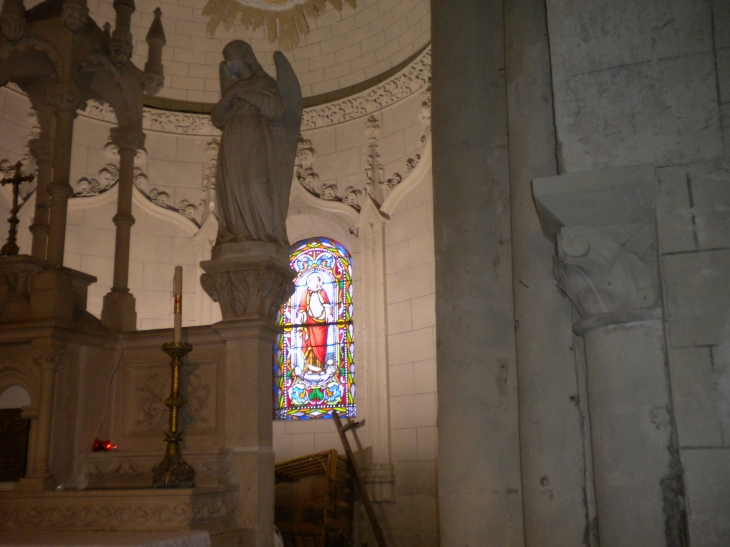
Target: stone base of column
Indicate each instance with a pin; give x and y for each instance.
(118, 313)
(36, 484)
(59, 293)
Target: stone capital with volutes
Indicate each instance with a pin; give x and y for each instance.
(48, 357)
(607, 272)
(65, 96)
(127, 137)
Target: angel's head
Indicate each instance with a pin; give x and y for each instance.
(240, 60)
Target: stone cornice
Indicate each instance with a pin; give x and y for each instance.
(412, 79)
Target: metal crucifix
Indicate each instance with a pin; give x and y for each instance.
(11, 247)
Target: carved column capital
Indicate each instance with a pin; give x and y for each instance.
(602, 275)
(127, 136)
(48, 357)
(249, 280)
(65, 96)
(254, 292)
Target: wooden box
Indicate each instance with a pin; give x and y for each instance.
(314, 501)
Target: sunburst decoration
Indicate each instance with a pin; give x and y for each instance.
(285, 20)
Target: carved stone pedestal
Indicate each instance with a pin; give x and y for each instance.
(250, 281)
(118, 312)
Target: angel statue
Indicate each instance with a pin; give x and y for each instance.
(260, 118)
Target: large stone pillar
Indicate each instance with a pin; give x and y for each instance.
(603, 224)
(556, 482)
(250, 281)
(118, 312)
(479, 461)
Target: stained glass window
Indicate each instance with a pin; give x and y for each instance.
(313, 365)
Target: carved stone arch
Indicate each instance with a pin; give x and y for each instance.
(15, 374)
(47, 62)
(31, 64)
(105, 82)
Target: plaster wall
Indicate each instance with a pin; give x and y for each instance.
(648, 82)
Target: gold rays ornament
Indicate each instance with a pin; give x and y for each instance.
(285, 20)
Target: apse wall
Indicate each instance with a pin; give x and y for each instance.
(380, 135)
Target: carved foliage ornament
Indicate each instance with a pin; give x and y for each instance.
(152, 394)
(248, 293)
(48, 357)
(284, 20)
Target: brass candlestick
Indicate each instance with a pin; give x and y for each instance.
(11, 247)
(173, 471)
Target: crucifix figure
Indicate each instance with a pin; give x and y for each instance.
(11, 247)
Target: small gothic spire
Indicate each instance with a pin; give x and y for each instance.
(154, 77)
(156, 34)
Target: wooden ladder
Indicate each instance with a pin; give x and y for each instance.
(342, 431)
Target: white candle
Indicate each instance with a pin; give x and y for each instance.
(177, 293)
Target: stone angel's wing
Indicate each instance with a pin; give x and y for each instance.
(286, 136)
